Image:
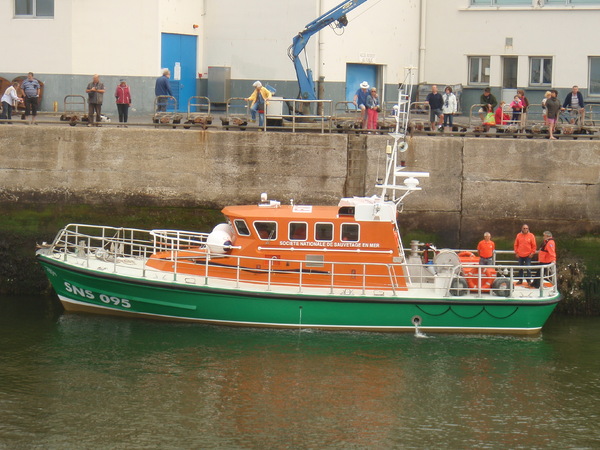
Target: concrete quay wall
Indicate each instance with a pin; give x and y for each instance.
(476, 184)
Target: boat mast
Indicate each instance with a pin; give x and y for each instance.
(392, 170)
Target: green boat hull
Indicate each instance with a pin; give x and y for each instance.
(80, 289)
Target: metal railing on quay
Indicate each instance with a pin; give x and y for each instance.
(319, 111)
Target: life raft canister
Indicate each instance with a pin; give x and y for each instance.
(220, 238)
(488, 275)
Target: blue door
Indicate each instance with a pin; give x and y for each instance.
(356, 74)
(178, 54)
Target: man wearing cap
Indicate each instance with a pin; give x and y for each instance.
(360, 101)
(95, 91)
(259, 98)
(123, 97)
(161, 88)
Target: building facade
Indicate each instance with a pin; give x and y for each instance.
(505, 44)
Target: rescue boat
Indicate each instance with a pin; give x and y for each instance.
(336, 267)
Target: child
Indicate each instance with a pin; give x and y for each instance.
(547, 95)
(490, 118)
(501, 117)
(517, 107)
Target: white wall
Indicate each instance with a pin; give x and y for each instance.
(253, 37)
(36, 45)
(387, 29)
(112, 37)
(455, 31)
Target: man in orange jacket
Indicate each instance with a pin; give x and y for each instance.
(486, 249)
(525, 248)
(547, 252)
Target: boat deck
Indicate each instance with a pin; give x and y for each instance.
(429, 288)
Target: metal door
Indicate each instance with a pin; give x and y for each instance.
(356, 74)
(178, 54)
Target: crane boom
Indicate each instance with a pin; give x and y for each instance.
(335, 17)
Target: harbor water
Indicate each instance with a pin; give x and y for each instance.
(89, 381)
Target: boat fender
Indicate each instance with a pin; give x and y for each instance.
(220, 239)
(501, 287)
(459, 287)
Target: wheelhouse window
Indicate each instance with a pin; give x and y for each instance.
(350, 232)
(479, 70)
(594, 81)
(241, 227)
(323, 232)
(297, 231)
(266, 230)
(34, 8)
(540, 71)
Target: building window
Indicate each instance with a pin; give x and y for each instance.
(533, 3)
(501, 2)
(479, 70)
(540, 71)
(571, 2)
(594, 82)
(34, 8)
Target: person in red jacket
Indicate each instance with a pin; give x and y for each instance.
(123, 97)
(501, 117)
(525, 248)
(486, 249)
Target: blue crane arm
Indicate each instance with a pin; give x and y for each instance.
(336, 16)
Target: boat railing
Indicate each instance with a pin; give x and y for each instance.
(195, 263)
(177, 239)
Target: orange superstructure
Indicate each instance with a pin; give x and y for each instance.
(351, 244)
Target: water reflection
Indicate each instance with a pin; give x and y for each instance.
(71, 379)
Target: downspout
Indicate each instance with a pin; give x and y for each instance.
(422, 46)
(320, 45)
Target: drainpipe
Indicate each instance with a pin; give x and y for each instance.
(319, 62)
(422, 46)
(319, 50)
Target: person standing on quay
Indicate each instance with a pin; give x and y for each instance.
(161, 88)
(436, 102)
(31, 92)
(449, 108)
(525, 247)
(95, 91)
(552, 110)
(360, 101)
(486, 249)
(373, 109)
(123, 97)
